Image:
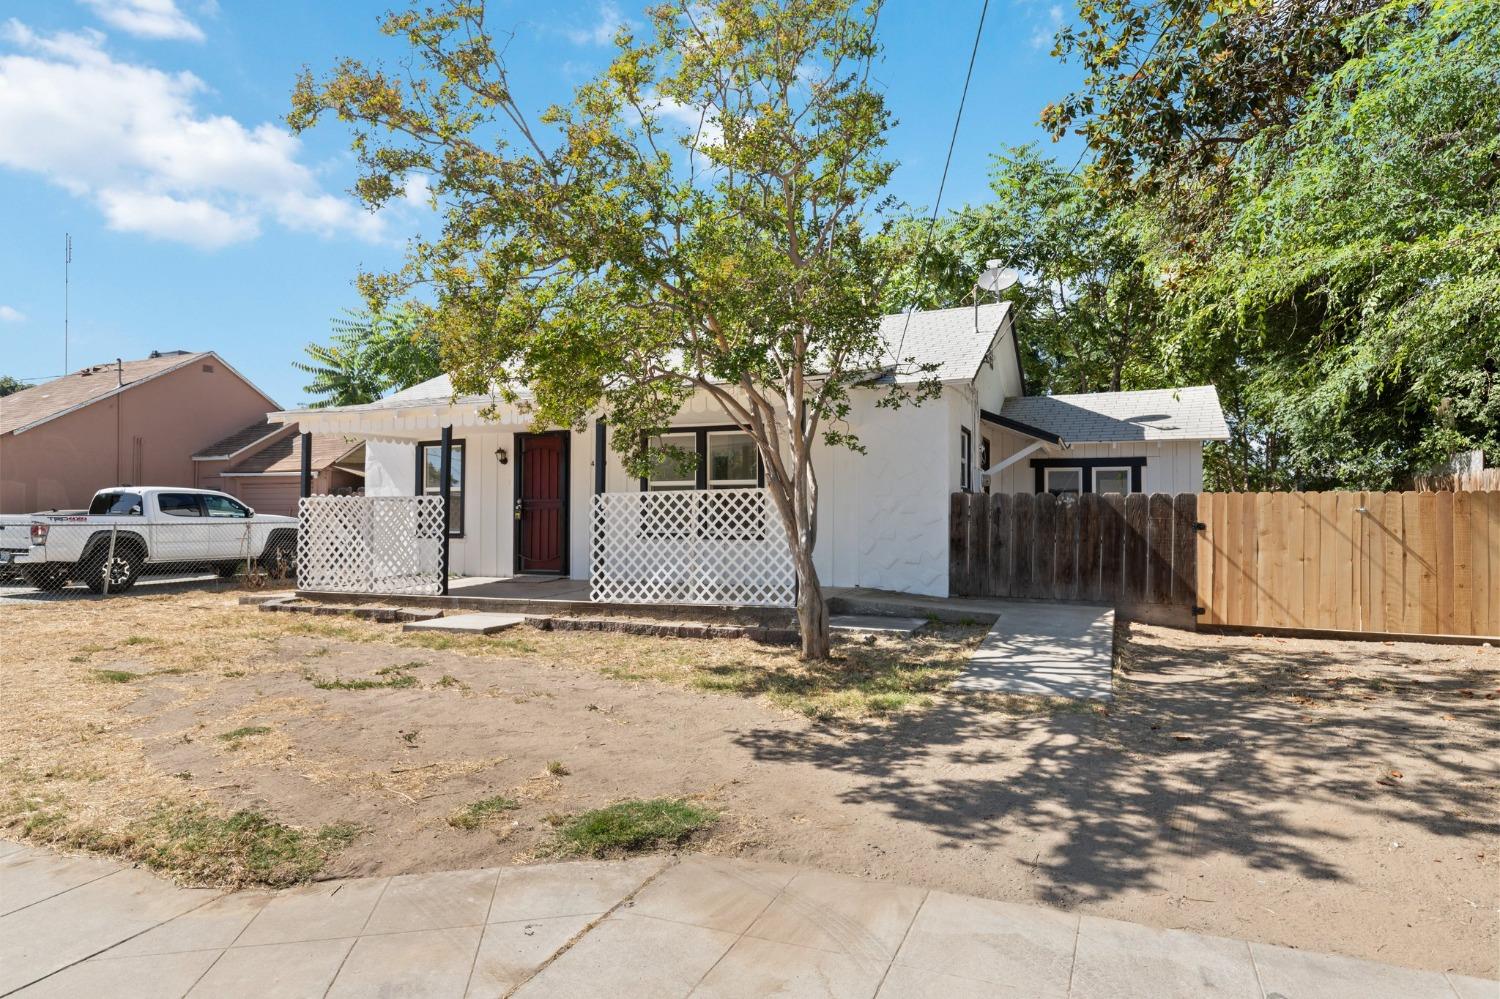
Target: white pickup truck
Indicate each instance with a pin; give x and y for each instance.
(129, 528)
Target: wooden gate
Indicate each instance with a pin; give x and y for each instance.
(1136, 552)
(1416, 563)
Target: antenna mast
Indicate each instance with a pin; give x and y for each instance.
(67, 266)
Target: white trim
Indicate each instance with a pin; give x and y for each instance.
(1007, 462)
(118, 389)
(1094, 474)
(1073, 469)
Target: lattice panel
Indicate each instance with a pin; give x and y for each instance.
(718, 546)
(371, 544)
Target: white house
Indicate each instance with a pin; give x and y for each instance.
(523, 499)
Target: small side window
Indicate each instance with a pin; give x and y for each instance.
(180, 504)
(116, 505)
(965, 459)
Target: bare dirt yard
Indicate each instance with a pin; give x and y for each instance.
(1329, 795)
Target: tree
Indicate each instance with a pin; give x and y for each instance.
(1315, 185)
(1360, 264)
(696, 220)
(9, 384)
(370, 354)
(1086, 299)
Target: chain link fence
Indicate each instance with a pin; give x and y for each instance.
(63, 557)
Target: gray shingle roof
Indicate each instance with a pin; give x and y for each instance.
(956, 340)
(1191, 413)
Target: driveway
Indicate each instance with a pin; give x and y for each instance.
(652, 927)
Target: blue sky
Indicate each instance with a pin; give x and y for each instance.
(152, 131)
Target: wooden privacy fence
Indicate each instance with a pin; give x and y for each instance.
(1414, 562)
(1134, 551)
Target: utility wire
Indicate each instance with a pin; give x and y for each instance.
(947, 162)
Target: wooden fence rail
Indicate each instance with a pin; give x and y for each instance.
(1385, 563)
(1133, 551)
(1413, 563)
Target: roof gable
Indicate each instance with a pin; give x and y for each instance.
(1191, 413)
(30, 407)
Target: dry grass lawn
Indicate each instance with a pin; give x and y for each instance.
(1335, 796)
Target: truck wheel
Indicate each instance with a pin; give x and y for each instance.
(280, 558)
(120, 571)
(227, 570)
(49, 578)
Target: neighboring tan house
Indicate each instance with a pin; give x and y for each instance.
(262, 465)
(525, 501)
(126, 422)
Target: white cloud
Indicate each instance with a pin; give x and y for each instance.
(11, 315)
(132, 139)
(1043, 36)
(695, 122)
(147, 18)
(602, 31)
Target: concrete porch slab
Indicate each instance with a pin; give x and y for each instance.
(875, 624)
(1045, 649)
(467, 624)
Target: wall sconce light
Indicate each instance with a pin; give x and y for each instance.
(502, 456)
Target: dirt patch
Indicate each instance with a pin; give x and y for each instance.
(1328, 795)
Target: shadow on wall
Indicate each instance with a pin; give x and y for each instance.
(1267, 728)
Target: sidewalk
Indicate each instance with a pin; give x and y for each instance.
(653, 927)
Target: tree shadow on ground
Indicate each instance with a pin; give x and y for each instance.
(1210, 746)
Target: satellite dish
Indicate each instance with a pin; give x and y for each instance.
(997, 278)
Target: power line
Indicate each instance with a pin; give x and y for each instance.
(943, 182)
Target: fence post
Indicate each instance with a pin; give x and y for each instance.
(445, 489)
(109, 560)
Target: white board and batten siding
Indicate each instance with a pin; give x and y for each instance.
(1171, 466)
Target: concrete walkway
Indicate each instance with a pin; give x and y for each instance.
(1046, 649)
(654, 927)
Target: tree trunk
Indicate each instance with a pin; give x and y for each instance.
(812, 610)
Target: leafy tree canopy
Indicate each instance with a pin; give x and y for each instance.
(9, 384)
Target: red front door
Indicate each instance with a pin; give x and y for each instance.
(541, 502)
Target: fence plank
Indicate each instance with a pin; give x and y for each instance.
(1112, 548)
(1270, 562)
(1065, 564)
(977, 564)
(1324, 594)
(1485, 539)
(1395, 562)
(958, 549)
(1419, 608)
(997, 583)
(1184, 550)
(1463, 606)
(1247, 555)
(1442, 515)
(1294, 541)
(1136, 518)
(1204, 543)
(1159, 549)
(1090, 551)
(1022, 518)
(1043, 559)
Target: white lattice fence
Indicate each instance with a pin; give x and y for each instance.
(370, 544)
(718, 546)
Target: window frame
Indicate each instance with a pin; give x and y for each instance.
(708, 451)
(1094, 478)
(244, 509)
(1074, 469)
(701, 446)
(456, 502)
(965, 460)
(1135, 463)
(674, 485)
(140, 504)
(197, 502)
